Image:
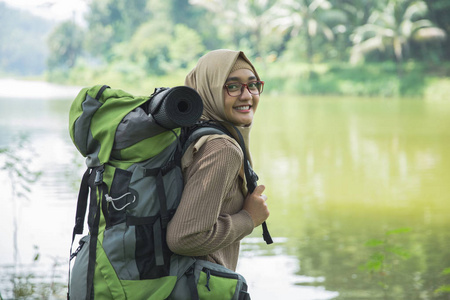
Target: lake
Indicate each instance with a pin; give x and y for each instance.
(358, 191)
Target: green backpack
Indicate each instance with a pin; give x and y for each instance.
(133, 152)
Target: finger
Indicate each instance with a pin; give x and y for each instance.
(264, 197)
(259, 190)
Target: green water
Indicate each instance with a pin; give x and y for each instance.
(359, 192)
(342, 174)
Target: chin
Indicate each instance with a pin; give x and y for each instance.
(244, 124)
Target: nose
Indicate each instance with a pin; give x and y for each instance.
(245, 93)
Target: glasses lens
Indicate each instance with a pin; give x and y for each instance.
(235, 89)
(255, 87)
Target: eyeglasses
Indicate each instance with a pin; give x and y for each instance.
(236, 89)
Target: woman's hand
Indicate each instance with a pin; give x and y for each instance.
(255, 204)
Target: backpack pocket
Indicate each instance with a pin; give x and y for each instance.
(206, 280)
(78, 279)
(217, 282)
(216, 285)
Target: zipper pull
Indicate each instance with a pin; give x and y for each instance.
(208, 276)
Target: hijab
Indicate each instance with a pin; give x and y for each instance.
(208, 78)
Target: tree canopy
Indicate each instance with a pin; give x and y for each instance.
(158, 36)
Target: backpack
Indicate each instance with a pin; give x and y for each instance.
(133, 148)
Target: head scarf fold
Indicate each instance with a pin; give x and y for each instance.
(208, 78)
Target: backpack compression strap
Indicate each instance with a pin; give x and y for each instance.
(92, 177)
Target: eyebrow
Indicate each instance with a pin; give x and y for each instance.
(237, 78)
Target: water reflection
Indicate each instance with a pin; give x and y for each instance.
(364, 168)
(272, 273)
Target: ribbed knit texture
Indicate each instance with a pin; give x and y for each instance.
(241, 64)
(209, 222)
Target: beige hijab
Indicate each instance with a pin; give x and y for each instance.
(208, 78)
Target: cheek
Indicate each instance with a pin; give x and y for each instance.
(255, 104)
(228, 105)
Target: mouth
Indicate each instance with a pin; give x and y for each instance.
(242, 107)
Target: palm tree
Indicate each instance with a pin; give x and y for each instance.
(401, 22)
(244, 20)
(439, 10)
(296, 16)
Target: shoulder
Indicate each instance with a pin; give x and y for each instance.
(213, 148)
(221, 145)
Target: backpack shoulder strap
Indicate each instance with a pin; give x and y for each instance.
(189, 135)
(252, 179)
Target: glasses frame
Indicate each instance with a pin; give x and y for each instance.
(225, 86)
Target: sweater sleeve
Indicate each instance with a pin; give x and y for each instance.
(201, 224)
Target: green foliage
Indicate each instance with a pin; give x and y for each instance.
(65, 45)
(111, 22)
(445, 288)
(185, 47)
(393, 28)
(141, 38)
(384, 259)
(149, 46)
(24, 286)
(368, 80)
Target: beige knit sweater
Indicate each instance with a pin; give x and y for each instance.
(209, 222)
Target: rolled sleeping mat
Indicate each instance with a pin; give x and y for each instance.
(180, 106)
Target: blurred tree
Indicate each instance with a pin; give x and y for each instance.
(149, 46)
(113, 21)
(307, 16)
(439, 11)
(65, 45)
(393, 28)
(353, 13)
(186, 46)
(244, 24)
(199, 19)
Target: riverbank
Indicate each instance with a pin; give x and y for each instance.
(382, 80)
(375, 80)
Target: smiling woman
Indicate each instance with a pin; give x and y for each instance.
(217, 210)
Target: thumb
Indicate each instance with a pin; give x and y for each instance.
(259, 190)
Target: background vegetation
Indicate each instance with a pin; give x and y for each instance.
(342, 47)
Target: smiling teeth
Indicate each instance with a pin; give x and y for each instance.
(243, 107)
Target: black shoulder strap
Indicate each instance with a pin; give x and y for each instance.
(191, 134)
(205, 128)
(251, 178)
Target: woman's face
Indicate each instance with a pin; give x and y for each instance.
(241, 109)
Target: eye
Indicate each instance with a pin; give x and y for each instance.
(233, 86)
(253, 85)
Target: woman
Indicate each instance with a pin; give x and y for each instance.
(215, 212)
